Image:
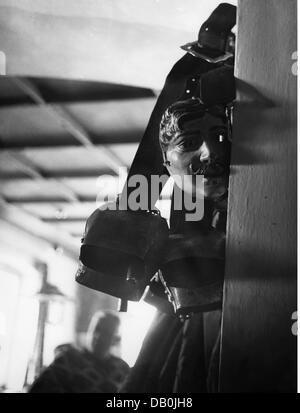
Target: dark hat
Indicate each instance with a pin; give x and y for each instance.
(215, 40)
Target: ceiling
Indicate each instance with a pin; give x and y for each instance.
(82, 78)
(48, 170)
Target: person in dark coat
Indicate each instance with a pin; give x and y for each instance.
(86, 370)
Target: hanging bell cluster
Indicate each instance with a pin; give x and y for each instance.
(130, 254)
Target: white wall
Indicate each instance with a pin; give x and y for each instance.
(258, 347)
(20, 282)
(133, 42)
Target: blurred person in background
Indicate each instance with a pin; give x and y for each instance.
(92, 369)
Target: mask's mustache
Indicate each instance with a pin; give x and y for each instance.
(209, 170)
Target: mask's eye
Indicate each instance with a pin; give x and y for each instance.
(219, 135)
(189, 144)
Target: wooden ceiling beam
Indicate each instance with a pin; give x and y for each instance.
(59, 174)
(70, 124)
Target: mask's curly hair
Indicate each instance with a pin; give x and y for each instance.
(174, 120)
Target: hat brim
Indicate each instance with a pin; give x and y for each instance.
(115, 286)
(205, 53)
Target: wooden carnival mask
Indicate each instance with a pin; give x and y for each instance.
(195, 141)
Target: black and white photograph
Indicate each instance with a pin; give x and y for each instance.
(148, 199)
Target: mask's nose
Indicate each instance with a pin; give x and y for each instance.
(206, 162)
(205, 156)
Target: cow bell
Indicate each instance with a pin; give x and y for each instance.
(193, 271)
(121, 250)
